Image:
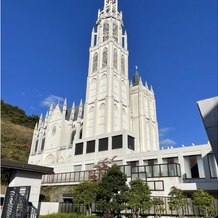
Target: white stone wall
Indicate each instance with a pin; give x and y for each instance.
(48, 208)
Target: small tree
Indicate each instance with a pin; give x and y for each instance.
(138, 197)
(178, 201)
(158, 204)
(100, 168)
(85, 193)
(204, 202)
(111, 194)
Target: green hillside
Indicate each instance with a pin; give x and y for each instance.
(16, 132)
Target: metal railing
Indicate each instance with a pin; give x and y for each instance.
(132, 172)
(189, 210)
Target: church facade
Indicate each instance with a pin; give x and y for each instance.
(117, 121)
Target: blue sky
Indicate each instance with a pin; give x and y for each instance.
(45, 49)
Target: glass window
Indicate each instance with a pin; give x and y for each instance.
(43, 144)
(36, 145)
(123, 64)
(142, 176)
(128, 170)
(151, 185)
(159, 185)
(149, 171)
(105, 31)
(194, 166)
(79, 148)
(95, 62)
(164, 170)
(135, 176)
(90, 146)
(115, 59)
(172, 170)
(156, 171)
(81, 134)
(178, 170)
(105, 58)
(115, 32)
(103, 144)
(131, 142)
(117, 142)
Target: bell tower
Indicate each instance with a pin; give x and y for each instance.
(107, 92)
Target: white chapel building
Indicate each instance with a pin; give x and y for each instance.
(117, 120)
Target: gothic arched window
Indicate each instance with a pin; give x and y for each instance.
(105, 31)
(105, 58)
(115, 59)
(81, 134)
(36, 145)
(43, 144)
(115, 32)
(95, 62)
(123, 64)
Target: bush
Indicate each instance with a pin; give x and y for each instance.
(66, 215)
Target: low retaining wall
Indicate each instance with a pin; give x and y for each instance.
(48, 207)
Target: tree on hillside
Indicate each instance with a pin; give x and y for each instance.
(158, 204)
(85, 193)
(204, 202)
(177, 201)
(17, 115)
(111, 193)
(138, 197)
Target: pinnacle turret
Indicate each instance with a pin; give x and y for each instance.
(65, 105)
(72, 111)
(80, 109)
(136, 77)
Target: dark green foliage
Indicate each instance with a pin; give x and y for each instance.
(178, 201)
(66, 215)
(111, 193)
(85, 193)
(138, 197)
(205, 203)
(158, 204)
(17, 116)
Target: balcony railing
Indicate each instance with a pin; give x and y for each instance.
(132, 172)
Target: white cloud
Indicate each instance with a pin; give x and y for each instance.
(51, 99)
(167, 142)
(163, 131)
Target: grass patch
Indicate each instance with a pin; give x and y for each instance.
(66, 215)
